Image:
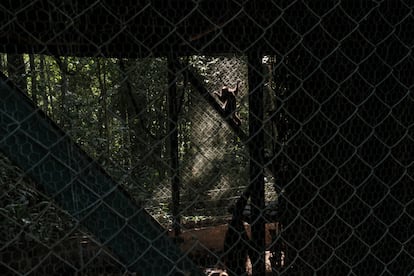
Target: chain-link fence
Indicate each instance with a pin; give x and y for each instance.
(206, 137)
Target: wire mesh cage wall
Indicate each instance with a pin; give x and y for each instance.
(206, 137)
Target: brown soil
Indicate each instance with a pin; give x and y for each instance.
(206, 244)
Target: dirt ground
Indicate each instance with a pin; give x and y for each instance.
(206, 243)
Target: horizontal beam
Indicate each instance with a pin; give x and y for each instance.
(135, 28)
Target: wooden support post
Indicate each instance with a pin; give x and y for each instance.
(173, 142)
(257, 163)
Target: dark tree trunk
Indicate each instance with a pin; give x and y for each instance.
(17, 71)
(43, 82)
(33, 78)
(63, 66)
(103, 113)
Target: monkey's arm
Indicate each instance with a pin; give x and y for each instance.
(224, 105)
(221, 97)
(236, 89)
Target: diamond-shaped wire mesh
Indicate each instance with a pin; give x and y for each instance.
(204, 137)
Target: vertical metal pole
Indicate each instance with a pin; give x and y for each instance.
(256, 150)
(173, 142)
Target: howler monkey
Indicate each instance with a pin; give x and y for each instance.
(229, 104)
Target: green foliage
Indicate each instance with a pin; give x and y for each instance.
(23, 209)
(116, 110)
